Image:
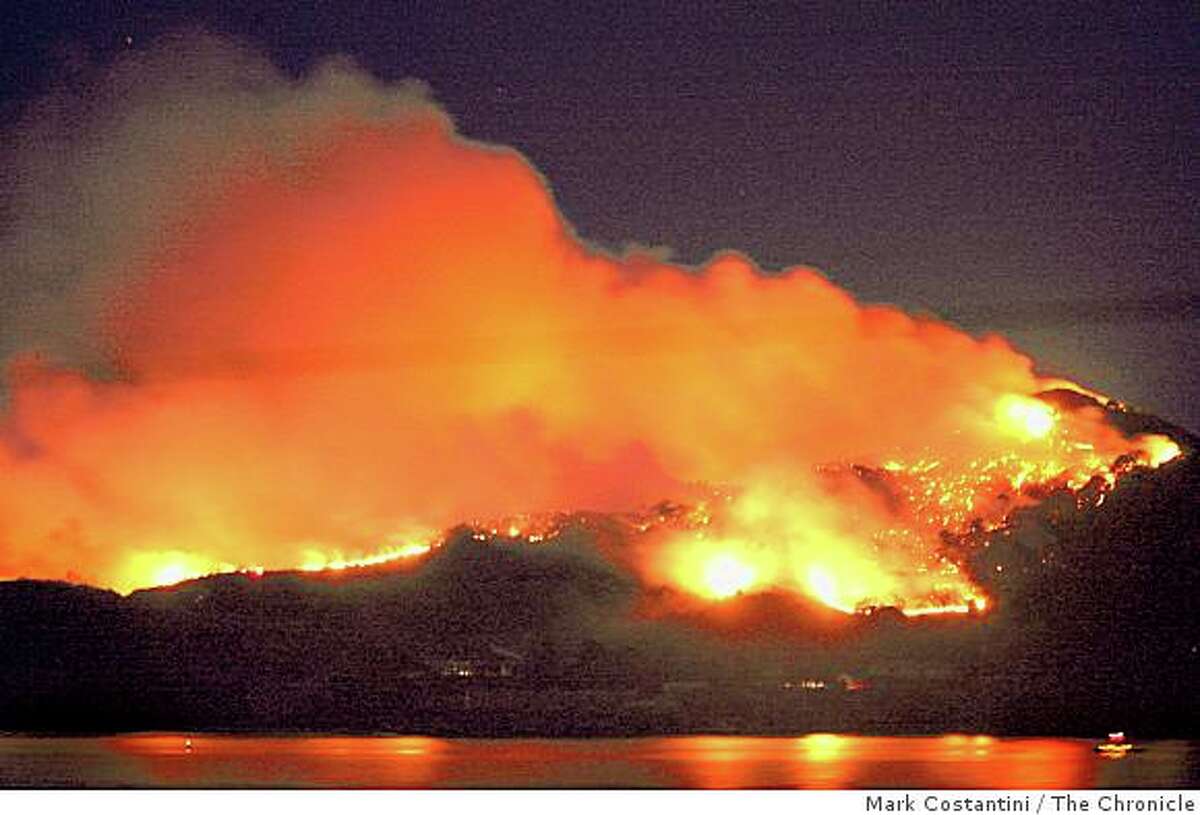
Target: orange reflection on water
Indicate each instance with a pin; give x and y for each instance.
(1033, 764)
(178, 760)
(832, 761)
(968, 762)
(822, 762)
(715, 762)
(818, 760)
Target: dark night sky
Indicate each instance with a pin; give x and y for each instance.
(1025, 170)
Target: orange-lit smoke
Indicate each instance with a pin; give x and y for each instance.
(348, 340)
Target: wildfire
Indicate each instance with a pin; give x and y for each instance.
(823, 587)
(167, 568)
(762, 538)
(1027, 418)
(316, 561)
(735, 542)
(156, 569)
(1158, 450)
(356, 327)
(727, 575)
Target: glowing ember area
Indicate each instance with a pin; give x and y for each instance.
(768, 540)
(353, 327)
(888, 553)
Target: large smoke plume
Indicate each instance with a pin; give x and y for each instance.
(248, 319)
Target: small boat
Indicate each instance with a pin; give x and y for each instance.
(1116, 746)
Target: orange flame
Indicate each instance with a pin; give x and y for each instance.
(378, 327)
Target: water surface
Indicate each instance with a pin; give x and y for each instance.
(812, 761)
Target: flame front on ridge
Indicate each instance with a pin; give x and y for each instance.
(350, 327)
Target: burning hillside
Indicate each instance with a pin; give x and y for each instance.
(326, 327)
